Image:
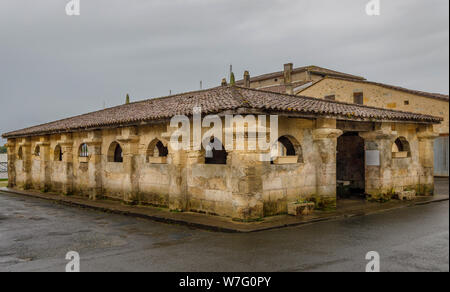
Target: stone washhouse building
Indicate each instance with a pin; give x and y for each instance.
(328, 84)
(123, 153)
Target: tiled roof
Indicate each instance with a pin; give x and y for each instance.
(312, 69)
(393, 87)
(217, 100)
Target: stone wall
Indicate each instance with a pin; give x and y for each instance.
(379, 96)
(245, 188)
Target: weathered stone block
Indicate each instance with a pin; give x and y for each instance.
(300, 209)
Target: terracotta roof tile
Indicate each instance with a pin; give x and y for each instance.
(217, 100)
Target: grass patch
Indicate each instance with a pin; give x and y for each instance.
(3, 183)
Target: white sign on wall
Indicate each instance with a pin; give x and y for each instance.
(372, 157)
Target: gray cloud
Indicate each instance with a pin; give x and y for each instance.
(54, 66)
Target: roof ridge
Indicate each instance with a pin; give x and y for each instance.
(434, 95)
(340, 102)
(215, 100)
(120, 105)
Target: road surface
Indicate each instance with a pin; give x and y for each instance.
(35, 235)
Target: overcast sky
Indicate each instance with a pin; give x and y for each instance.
(54, 66)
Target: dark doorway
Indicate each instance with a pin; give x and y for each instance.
(350, 166)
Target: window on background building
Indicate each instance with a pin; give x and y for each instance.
(406, 102)
(358, 98)
(330, 97)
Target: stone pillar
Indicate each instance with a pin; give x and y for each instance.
(426, 136)
(11, 146)
(177, 164)
(45, 179)
(26, 165)
(129, 142)
(325, 143)
(247, 171)
(181, 200)
(379, 184)
(94, 143)
(66, 144)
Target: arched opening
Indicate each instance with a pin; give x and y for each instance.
(58, 154)
(215, 153)
(37, 151)
(115, 153)
(401, 148)
(156, 149)
(288, 151)
(20, 153)
(350, 166)
(84, 150)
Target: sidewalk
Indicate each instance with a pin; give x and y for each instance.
(346, 208)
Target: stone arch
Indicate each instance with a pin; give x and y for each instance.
(37, 151)
(401, 148)
(20, 153)
(215, 152)
(115, 153)
(83, 150)
(57, 153)
(289, 146)
(156, 148)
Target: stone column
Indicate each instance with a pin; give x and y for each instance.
(426, 136)
(94, 143)
(66, 144)
(45, 179)
(379, 184)
(325, 143)
(247, 171)
(11, 146)
(177, 164)
(129, 141)
(26, 165)
(187, 159)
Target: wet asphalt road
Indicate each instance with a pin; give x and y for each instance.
(35, 235)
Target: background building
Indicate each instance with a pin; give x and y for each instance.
(328, 84)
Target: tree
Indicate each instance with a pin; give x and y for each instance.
(232, 79)
(3, 149)
(127, 100)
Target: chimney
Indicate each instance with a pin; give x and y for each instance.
(288, 68)
(246, 79)
(224, 82)
(288, 73)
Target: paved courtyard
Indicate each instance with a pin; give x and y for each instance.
(35, 235)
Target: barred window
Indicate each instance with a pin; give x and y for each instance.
(84, 150)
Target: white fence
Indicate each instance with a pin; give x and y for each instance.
(3, 166)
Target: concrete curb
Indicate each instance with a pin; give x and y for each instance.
(217, 226)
